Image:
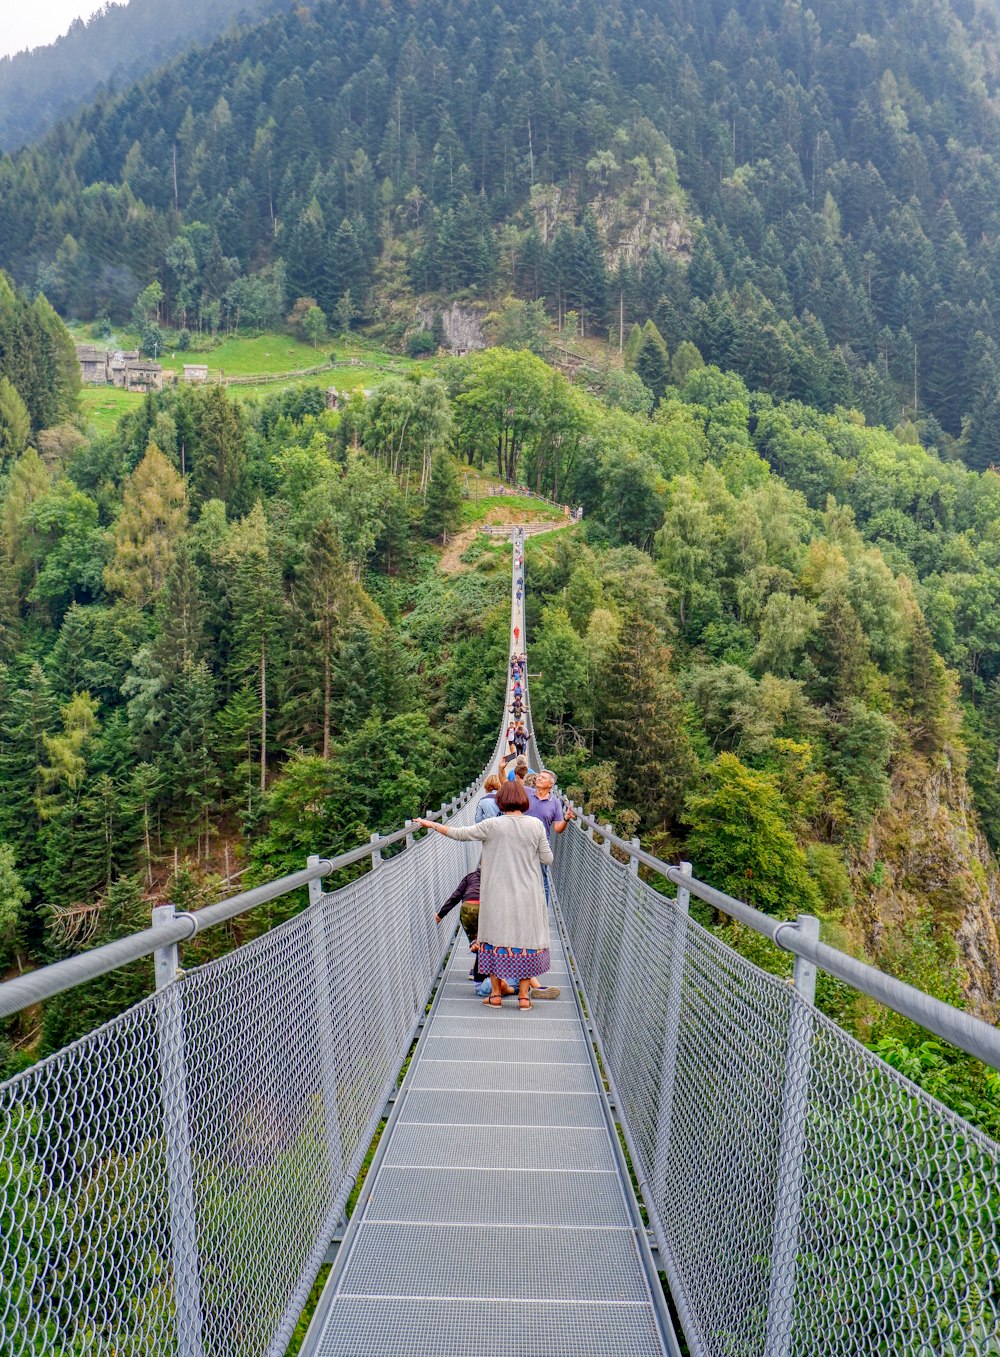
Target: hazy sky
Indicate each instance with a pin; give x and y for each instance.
(33, 23)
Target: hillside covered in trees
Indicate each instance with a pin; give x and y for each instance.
(808, 195)
(123, 40)
(771, 646)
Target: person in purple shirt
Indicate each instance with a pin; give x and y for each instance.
(547, 808)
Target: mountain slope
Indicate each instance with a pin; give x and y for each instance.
(118, 44)
(811, 196)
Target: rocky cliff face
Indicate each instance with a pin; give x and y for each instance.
(463, 326)
(926, 861)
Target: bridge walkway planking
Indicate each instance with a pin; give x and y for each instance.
(498, 1217)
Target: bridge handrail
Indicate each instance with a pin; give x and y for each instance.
(964, 1030)
(36, 986)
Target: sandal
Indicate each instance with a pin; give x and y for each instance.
(493, 1001)
(524, 1002)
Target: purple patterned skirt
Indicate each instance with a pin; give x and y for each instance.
(513, 963)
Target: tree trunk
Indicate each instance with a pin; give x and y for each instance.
(145, 826)
(326, 689)
(263, 715)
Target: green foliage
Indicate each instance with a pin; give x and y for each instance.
(444, 498)
(15, 423)
(652, 362)
(738, 838)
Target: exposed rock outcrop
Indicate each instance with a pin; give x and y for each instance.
(926, 858)
(463, 326)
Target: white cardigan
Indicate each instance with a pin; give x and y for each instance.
(512, 900)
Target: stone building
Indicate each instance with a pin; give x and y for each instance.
(93, 364)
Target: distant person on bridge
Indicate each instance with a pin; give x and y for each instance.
(486, 807)
(520, 738)
(520, 770)
(513, 922)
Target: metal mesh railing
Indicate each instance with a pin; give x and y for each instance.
(806, 1198)
(171, 1182)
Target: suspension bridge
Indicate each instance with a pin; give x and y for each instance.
(174, 1182)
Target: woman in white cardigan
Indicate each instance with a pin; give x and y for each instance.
(513, 925)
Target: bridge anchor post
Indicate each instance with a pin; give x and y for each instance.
(177, 1145)
(791, 1153)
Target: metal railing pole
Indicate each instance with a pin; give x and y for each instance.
(324, 1025)
(791, 1154)
(671, 1035)
(177, 1145)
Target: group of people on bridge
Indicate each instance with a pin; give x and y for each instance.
(505, 899)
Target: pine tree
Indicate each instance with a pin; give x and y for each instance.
(256, 607)
(15, 423)
(652, 362)
(321, 598)
(218, 459)
(632, 346)
(10, 623)
(151, 521)
(642, 727)
(444, 498)
(27, 714)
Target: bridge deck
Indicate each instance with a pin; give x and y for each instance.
(497, 1218)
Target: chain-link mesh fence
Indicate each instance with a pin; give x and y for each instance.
(807, 1199)
(170, 1183)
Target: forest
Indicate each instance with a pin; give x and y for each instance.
(808, 195)
(226, 642)
(118, 43)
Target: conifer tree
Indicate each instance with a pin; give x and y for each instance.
(15, 423)
(256, 608)
(652, 362)
(632, 346)
(642, 727)
(10, 625)
(444, 498)
(27, 714)
(321, 597)
(147, 530)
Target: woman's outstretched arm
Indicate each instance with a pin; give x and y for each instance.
(468, 833)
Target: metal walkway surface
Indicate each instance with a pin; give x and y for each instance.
(498, 1216)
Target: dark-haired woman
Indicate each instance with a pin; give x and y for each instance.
(513, 925)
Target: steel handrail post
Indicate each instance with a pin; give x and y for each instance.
(325, 1043)
(678, 913)
(792, 1152)
(178, 1153)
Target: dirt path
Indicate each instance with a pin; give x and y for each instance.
(451, 558)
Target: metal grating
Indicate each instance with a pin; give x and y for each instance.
(507, 1260)
(497, 1216)
(531, 1196)
(413, 1327)
(485, 1074)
